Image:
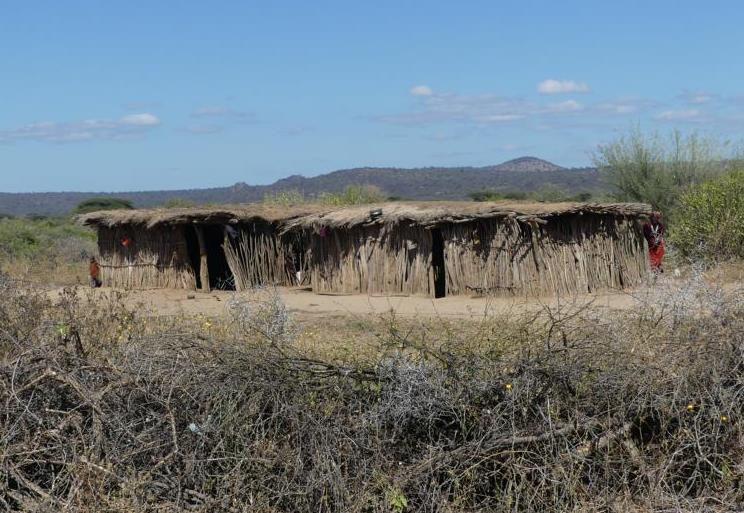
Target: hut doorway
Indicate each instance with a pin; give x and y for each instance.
(437, 263)
(218, 273)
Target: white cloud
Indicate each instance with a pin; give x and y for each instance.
(501, 117)
(697, 97)
(678, 115)
(552, 86)
(127, 127)
(449, 107)
(421, 90)
(627, 105)
(567, 106)
(144, 119)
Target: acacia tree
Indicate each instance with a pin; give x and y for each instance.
(94, 204)
(653, 169)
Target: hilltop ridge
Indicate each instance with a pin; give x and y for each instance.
(433, 183)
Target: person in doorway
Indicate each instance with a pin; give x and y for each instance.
(653, 231)
(95, 273)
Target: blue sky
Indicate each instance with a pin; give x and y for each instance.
(178, 94)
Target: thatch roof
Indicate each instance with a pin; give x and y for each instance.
(431, 213)
(304, 216)
(206, 215)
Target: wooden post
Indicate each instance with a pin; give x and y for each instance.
(203, 263)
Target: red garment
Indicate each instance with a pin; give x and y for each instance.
(656, 255)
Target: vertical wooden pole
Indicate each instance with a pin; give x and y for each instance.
(203, 264)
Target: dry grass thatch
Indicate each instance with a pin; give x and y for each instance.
(431, 213)
(306, 215)
(208, 215)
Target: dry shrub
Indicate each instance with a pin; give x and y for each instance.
(585, 410)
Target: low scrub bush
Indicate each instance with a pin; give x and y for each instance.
(709, 222)
(573, 408)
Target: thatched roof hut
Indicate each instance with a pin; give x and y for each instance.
(230, 247)
(443, 248)
(423, 248)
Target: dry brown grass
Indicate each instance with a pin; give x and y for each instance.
(46, 273)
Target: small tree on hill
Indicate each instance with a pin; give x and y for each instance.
(94, 204)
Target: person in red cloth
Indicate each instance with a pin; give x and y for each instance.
(653, 231)
(95, 273)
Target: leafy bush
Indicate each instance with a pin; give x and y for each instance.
(95, 204)
(57, 237)
(709, 222)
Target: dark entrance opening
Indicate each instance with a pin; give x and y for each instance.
(437, 263)
(192, 248)
(220, 275)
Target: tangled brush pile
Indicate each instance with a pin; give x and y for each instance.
(570, 409)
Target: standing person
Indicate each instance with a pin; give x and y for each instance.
(653, 231)
(95, 273)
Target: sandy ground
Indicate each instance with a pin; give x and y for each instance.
(304, 303)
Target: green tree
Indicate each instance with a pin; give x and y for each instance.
(657, 170)
(95, 204)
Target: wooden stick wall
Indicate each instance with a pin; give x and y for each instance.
(153, 258)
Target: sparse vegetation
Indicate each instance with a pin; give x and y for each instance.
(178, 203)
(574, 408)
(351, 195)
(285, 198)
(547, 194)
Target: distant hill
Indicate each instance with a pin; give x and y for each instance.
(523, 164)
(523, 174)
